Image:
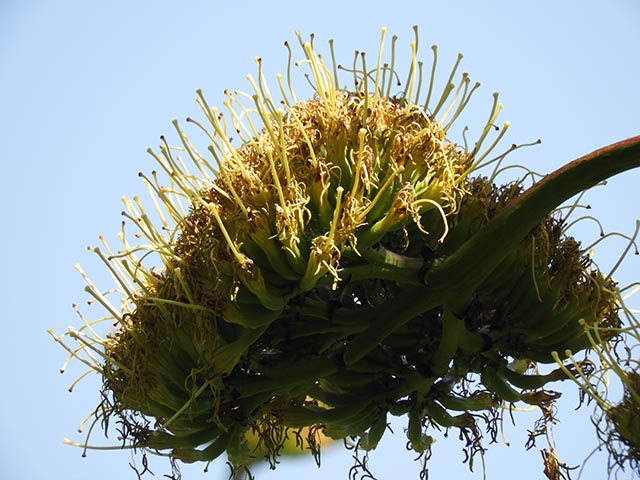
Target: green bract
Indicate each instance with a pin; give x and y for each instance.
(346, 262)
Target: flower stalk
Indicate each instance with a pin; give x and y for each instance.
(451, 282)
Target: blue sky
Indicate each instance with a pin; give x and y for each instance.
(86, 87)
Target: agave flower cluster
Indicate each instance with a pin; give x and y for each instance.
(345, 263)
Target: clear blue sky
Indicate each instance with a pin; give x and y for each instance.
(86, 87)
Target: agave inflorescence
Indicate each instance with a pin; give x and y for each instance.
(346, 262)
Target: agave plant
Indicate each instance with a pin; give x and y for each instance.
(345, 262)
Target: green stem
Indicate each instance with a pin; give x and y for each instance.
(452, 281)
(459, 275)
(368, 271)
(286, 377)
(385, 265)
(410, 303)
